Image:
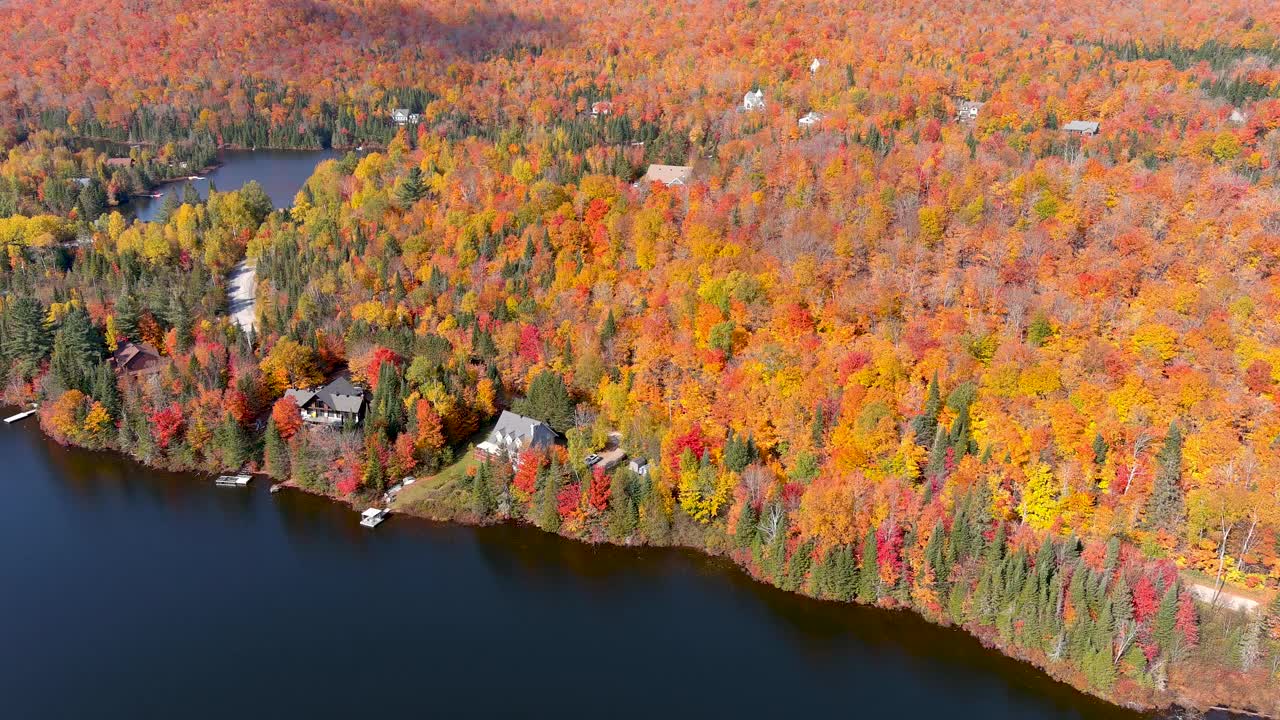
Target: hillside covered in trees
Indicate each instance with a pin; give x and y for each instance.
(1018, 378)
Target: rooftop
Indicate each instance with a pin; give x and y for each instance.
(1081, 126)
(668, 174)
(340, 394)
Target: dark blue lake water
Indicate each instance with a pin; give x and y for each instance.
(131, 593)
(281, 173)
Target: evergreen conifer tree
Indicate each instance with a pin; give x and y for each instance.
(276, 452)
(746, 531)
(482, 499)
(1166, 506)
(548, 400)
(26, 337)
(926, 423)
(869, 570)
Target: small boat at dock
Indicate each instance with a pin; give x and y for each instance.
(233, 480)
(372, 517)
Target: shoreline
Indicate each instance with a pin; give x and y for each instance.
(240, 148)
(740, 564)
(1177, 703)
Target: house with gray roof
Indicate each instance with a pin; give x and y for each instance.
(514, 434)
(1081, 127)
(332, 404)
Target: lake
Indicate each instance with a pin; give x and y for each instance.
(281, 173)
(132, 593)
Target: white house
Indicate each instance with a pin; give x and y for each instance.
(514, 434)
(402, 116)
(753, 100)
(815, 66)
(810, 120)
(1237, 117)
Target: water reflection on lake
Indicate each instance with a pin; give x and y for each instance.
(281, 173)
(132, 593)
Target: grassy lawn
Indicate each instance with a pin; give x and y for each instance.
(433, 487)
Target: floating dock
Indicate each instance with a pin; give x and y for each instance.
(372, 517)
(20, 416)
(233, 480)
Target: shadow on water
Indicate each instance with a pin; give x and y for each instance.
(136, 587)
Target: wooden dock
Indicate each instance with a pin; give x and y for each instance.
(20, 416)
(233, 480)
(372, 517)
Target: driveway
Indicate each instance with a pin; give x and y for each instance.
(240, 294)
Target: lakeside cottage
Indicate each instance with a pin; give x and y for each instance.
(332, 404)
(668, 175)
(140, 358)
(514, 434)
(753, 100)
(1081, 127)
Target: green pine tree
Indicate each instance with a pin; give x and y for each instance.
(623, 515)
(548, 400)
(276, 453)
(747, 530)
(546, 513)
(798, 567)
(77, 351)
(926, 423)
(818, 430)
(1166, 506)
(869, 570)
(482, 497)
(655, 524)
(126, 315)
(233, 444)
(609, 330)
(26, 337)
(1100, 450)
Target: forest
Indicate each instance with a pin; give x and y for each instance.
(1017, 378)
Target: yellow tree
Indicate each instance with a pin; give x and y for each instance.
(1039, 497)
(290, 364)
